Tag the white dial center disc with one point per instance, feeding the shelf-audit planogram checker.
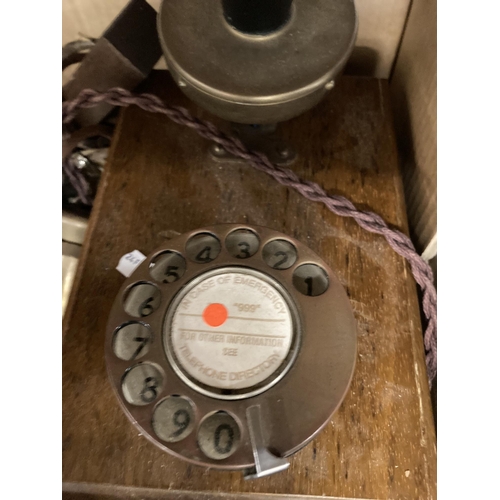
(232, 329)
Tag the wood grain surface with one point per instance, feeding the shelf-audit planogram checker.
(160, 177)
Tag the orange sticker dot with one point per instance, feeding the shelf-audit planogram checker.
(215, 315)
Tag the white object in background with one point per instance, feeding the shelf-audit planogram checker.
(69, 267)
(73, 228)
(431, 249)
(130, 262)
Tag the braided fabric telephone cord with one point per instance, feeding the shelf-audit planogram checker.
(339, 205)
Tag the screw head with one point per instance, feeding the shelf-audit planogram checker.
(218, 150)
(284, 152)
(330, 85)
(80, 161)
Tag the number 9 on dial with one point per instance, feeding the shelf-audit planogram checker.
(173, 419)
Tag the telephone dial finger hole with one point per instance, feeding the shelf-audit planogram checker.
(310, 279)
(242, 243)
(174, 419)
(203, 248)
(279, 254)
(142, 384)
(132, 341)
(168, 267)
(142, 300)
(218, 435)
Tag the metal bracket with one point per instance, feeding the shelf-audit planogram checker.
(265, 462)
(257, 138)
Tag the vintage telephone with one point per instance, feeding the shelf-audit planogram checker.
(232, 345)
(256, 61)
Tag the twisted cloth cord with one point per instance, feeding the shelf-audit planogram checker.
(77, 180)
(339, 205)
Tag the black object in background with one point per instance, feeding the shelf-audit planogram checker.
(257, 17)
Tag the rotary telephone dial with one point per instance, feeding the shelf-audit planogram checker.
(231, 346)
